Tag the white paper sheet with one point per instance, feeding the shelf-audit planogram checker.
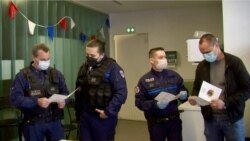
(165, 95)
(57, 98)
(60, 97)
(201, 101)
(209, 92)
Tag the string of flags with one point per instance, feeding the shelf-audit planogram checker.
(12, 10)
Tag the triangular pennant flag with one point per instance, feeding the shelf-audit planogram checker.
(83, 37)
(93, 37)
(32, 27)
(72, 23)
(102, 33)
(63, 23)
(107, 23)
(12, 10)
(50, 32)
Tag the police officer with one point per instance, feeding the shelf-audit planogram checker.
(156, 95)
(102, 92)
(30, 91)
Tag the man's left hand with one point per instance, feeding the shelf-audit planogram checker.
(183, 95)
(102, 114)
(61, 104)
(217, 104)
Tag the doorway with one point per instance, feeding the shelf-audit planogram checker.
(131, 53)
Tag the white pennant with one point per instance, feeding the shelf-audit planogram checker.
(72, 23)
(32, 27)
(102, 32)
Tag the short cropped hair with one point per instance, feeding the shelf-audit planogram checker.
(210, 38)
(97, 43)
(152, 51)
(38, 47)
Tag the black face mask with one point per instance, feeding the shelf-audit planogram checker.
(91, 61)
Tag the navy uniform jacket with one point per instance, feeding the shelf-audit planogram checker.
(18, 96)
(114, 75)
(150, 85)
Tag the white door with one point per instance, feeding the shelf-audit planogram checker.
(131, 53)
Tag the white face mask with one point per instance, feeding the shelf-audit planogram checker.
(162, 64)
(43, 65)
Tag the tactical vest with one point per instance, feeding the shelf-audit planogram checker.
(95, 86)
(40, 89)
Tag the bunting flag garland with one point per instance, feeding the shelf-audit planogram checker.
(32, 27)
(83, 37)
(107, 23)
(72, 23)
(102, 33)
(93, 37)
(12, 10)
(50, 32)
(63, 23)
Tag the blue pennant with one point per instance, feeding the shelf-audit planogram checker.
(83, 37)
(51, 32)
(107, 23)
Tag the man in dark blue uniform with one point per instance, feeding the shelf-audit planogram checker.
(156, 95)
(102, 92)
(30, 91)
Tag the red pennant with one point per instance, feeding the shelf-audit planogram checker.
(63, 24)
(12, 10)
(93, 37)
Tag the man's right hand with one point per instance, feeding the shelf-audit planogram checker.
(191, 100)
(43, 102)
(162, 104)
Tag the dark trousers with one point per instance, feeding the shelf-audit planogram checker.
(93, 128)
(38, 131)
(168, 129)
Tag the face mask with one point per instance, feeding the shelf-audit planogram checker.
(91, 61)
(162, 64)
(210, 57)
(43, 65)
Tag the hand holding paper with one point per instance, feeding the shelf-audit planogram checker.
(208, 92)
(59, 97)
(43, 102)
(165, 96)
(217, 104)
(162, 104)
(182, 95)
(197, 100)
(163, 99)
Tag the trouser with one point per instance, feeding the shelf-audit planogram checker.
(93, 128)
(38, 131)
(220, 128)
(170, 129)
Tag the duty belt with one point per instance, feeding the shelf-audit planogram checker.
(40, 118)
(168, 118)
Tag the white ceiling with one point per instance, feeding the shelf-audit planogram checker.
(118, 6)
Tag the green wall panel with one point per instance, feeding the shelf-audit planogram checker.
(67, 51)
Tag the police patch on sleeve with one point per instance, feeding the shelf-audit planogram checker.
(122, 74)
(137, 89)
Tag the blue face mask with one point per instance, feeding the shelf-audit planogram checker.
(210, 57)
